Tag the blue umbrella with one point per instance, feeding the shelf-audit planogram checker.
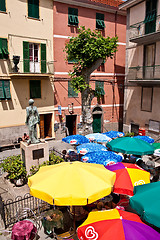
(98, 137)
(75, 139)
(90, 147)
(102, 157)
(145, 138)
(114, 134)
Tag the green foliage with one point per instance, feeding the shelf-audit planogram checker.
(53, 159)
(14, 167)
(129, 134)
(88, 47)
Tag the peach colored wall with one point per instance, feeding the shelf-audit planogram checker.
(137, 13)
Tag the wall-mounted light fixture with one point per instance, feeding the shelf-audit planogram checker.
(70, 108)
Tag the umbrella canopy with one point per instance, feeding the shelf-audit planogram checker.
(75, 139)
(127, 176)
(146, 201)
(102, 157)
(115, 224)
(98, 137)
(130, 145)
(156, 146)
(71, 183)
(114, 134)
(145, 138)
(90, 147)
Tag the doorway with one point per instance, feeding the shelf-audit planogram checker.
(97, 123)
(46, 125)
(71, 124)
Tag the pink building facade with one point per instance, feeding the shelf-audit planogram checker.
(108, 111)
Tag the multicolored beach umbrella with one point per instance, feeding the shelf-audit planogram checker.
(75, 139)
(115, 224)
(114, 134)
(102, 157)
(146, 201)
(127, 176)
(98, 137)
(145, 138)
(90, 147)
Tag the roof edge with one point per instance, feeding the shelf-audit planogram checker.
(128, 4)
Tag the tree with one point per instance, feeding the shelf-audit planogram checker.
(88, 50)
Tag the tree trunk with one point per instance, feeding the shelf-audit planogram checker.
(87, 96)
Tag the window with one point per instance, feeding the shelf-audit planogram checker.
(33, 9)
(71, 91)
(5, 90)
(150, 19)
(149, 61)
(3, 5)
(100, 21)
(32, 53)
(73, 16)
(146, 100)
(3, 48)
(35, 89)
(99, 87)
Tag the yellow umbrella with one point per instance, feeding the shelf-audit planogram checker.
(71, 183)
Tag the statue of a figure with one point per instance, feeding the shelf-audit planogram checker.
(32, 119)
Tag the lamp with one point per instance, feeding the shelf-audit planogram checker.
(16, 61)
(70, 108)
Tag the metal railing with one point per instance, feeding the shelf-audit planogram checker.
(9, 208)
(145, 27)
(33, 67)
(144, 72)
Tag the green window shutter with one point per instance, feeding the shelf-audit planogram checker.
(3, 48)
(73, 16)
(3, 5)
(43, 58)
(35, 89)
(33, 8)
(99, 86)
(71, 91)
(26, 57)
(100, 21)
(7, 89)
(2, 93)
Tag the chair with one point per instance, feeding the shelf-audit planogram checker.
(66, 235)
(28, 214)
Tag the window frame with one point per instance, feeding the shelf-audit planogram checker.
(31, 85)
(4, 54)
(73, 14)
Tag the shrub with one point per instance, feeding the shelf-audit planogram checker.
(129, 134)
(14, 166)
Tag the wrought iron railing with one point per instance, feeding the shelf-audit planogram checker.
(145, 27)
(26, 66)
(144, 73)
(9, 208)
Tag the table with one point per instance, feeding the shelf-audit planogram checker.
(52, 219)
(23, 230)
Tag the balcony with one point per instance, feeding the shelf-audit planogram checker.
(144, 74)
(146, 31)
(26, 67)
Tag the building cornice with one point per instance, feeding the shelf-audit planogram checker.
(93, 5)
(129, 4)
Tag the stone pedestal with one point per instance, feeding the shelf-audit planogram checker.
(34, 154)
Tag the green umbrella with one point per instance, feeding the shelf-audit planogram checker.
(156, 146)
(131, 145)
(146, 202)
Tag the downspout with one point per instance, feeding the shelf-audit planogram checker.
(113, 83)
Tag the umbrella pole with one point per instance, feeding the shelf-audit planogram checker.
(74, 220)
